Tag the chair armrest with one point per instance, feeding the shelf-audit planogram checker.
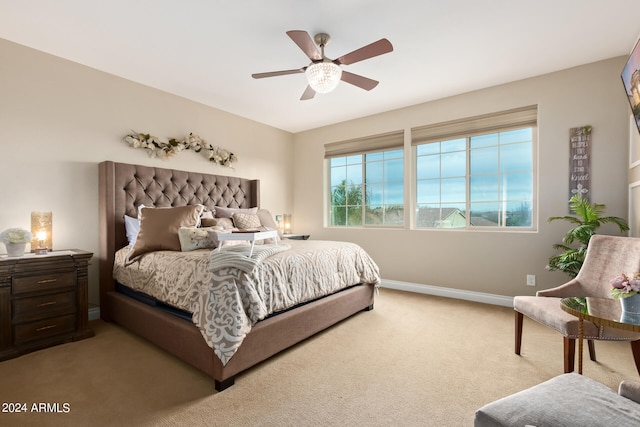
(630, 389)
(572, 288)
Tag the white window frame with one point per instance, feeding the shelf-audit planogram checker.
(362, 146)
(525, 117)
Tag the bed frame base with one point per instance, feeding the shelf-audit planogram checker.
(223, 385)
(267, 338)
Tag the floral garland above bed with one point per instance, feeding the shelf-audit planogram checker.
(165, 150)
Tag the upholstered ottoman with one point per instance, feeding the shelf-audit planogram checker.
(566, 400)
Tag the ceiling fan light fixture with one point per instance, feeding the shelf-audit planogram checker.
(324, 74)
(323, 77)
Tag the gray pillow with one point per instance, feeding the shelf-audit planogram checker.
(228, 212)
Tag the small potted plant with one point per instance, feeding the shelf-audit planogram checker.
(15, 240)
(623, 286)
(627, 290)
(588, 218)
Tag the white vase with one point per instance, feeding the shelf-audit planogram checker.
(15, 249)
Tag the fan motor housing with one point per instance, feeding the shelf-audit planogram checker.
(322, 39)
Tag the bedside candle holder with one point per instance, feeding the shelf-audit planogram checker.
(288, 228)
(41, 228)
(42, 238)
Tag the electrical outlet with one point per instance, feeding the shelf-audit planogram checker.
(531, 280)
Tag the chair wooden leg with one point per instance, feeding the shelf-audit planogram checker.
(592, 350)
(635, 348)
(569, 354)
(519, 317)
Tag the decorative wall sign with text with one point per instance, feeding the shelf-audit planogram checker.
(580, 162)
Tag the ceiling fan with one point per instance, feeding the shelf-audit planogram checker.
(324, 74)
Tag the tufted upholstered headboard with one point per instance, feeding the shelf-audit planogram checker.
(123, 187)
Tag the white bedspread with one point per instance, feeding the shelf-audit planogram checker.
(226, 301)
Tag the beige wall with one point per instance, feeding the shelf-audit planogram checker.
(58, 120)
(634, 177)
(488, 262)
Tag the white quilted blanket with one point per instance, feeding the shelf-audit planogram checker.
(226, 301)
(236, 256)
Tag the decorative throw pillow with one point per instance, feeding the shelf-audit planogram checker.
(225, 223)
(267, 221)
(192, 238)
(208, 222)
(159, 229)
(246, 221)
(228, 212)
(207, 213)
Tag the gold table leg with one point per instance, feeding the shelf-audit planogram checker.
(580, 338)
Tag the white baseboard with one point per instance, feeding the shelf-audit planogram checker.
(449, 292)
(94, 312)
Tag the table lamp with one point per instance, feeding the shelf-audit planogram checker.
(41, 228)
(287, 224)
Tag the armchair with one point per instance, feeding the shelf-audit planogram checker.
(607, 257)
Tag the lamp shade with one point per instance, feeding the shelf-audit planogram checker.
(323, 77)
(42, 226)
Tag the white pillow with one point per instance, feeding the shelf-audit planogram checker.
(132, 228)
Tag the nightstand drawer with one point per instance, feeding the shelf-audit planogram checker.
(44, 328)
(43, 306)
(44, 282)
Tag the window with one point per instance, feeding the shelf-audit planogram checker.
(366, 181)
(477, 172)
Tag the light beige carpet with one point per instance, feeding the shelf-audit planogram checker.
(415, 360)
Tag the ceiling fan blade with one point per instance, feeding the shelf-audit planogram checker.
(277, 73)
(380, 47)
(305, 42)
(358, 80)
(308, 94)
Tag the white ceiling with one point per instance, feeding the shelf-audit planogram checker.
(206, 50)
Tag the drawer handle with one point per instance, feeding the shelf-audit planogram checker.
(44, 304)
(40, 282)
(45, 328)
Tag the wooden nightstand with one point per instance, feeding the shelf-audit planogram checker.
(43, 301)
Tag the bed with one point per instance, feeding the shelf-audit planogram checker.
(123, 188)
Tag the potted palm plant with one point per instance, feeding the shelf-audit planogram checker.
(574, 244)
